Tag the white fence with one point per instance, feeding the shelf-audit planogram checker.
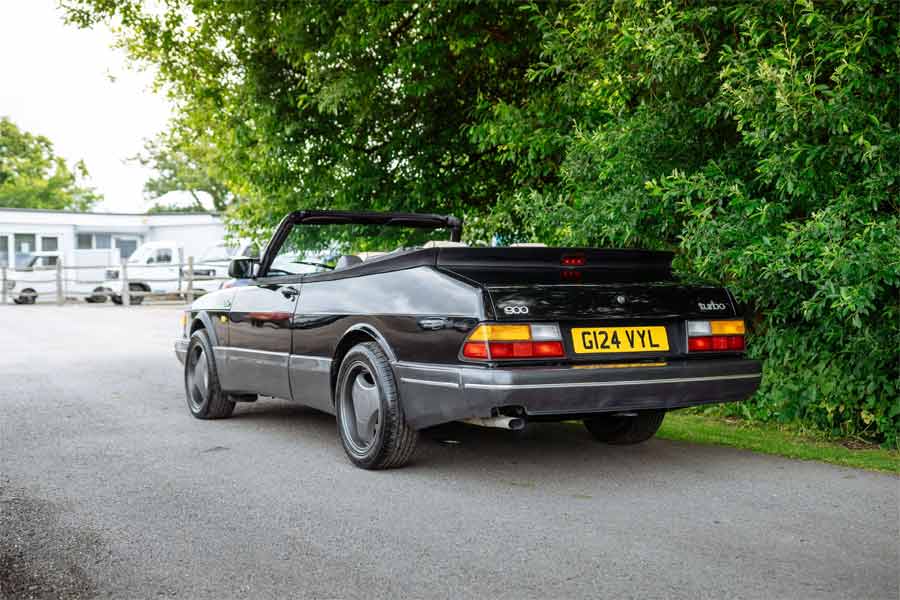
(61, 283)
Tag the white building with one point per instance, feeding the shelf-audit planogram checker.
(79, 235)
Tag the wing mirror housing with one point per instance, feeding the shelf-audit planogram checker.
(243, 267)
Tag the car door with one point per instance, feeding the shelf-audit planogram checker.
(259, 336)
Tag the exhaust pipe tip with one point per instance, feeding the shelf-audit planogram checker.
(511, 423)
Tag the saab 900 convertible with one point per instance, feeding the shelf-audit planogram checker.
(394, 342)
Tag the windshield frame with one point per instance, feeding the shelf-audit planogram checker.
(341, 217)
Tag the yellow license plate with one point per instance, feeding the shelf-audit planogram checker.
(594, 340)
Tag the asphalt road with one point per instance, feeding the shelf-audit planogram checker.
(109, 488)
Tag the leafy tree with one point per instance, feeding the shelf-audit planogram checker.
(184, 162)
(759, 141)
(32, 176)
(345, 104)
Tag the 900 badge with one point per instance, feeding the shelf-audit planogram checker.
(515, 310)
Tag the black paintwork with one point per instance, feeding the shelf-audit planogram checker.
(610, 301)
(420, 304)
(539, 265)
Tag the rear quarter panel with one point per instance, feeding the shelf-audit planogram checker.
(418, 315)
(418, 311)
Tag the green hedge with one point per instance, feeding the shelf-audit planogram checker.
(758, 140)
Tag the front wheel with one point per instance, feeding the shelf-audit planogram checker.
(99, 295)
(205, 397)
(624, 430)
(370, 419)
(134, 287)
(28, 296)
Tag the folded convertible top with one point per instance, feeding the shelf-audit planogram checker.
(522, 265)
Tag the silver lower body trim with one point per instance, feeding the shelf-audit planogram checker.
(599, 384)
(443, 384)
(434, 394)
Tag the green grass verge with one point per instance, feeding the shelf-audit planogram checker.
(771, 439)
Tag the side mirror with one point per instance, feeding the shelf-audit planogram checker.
(243, 267)
(151, 260)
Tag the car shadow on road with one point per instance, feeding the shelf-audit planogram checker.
(554, 449)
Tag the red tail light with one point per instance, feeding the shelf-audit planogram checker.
(475, 350)
(548, 349)
(735, 342)
(706, 343)
(700, 344)
(573, 261)
(505, 342)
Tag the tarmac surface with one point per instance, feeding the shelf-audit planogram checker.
(109, 488)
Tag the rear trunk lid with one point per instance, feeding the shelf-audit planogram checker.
(585, 289)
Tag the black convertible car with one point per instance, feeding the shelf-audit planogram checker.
(394, 342)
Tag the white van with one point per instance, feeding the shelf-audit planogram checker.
(36, 278)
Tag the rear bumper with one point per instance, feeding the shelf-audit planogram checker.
(434, 394)
(181, 346)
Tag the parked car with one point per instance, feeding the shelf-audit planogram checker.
(36, 278)
(442, 332)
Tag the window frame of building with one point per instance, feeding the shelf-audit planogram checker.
(53, 241)
(18, 242)
(4, 249)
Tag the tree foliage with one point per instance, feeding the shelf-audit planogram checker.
(346, 104)
(32, 176)
(182, 161)
(759, 140)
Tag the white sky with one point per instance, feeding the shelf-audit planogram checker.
(71, 86)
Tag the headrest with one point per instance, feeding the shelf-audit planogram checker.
(444, 244)
(347, 260)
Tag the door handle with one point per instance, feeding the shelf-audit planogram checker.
(289, 292)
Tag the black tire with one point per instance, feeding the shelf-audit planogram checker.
(205, 398)
(28, 296)
(135, 300)
(388, 441)
(620, 430)
(99, 296)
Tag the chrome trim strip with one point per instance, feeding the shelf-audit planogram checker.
(589, 384)
(310, 357)
(249, 351)
(443, 384)
(253, 351)
(425, 366)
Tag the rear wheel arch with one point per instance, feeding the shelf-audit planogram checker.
(370, 418)
(358, 334)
